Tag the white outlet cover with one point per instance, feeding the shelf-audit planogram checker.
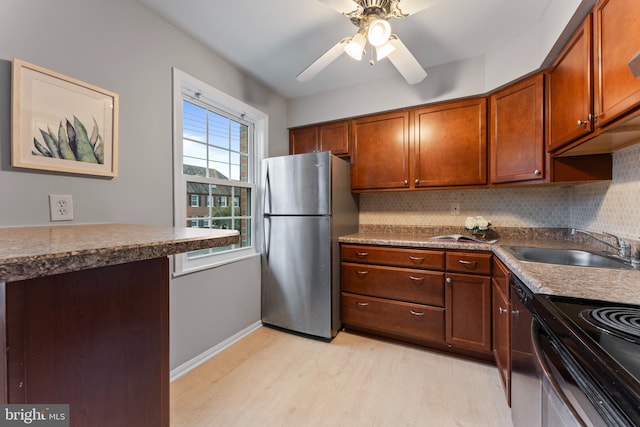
(60, 207)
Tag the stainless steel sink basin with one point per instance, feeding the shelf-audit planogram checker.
(565, 257)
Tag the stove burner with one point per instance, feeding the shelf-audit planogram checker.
(623, 322)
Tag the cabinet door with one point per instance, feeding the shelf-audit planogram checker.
(450, 144)
(468, 313)
(303, 140)
(617, 41)
(334, 137)
(570, 90)
(502, 337)
(380, 156)
(516, 129)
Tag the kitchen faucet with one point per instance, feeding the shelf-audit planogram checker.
(623, 249)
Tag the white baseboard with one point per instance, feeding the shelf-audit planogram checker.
(203, 357)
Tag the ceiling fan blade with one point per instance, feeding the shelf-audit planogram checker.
(410, 7)
(327, 58)
(405, 62)
(342, 6)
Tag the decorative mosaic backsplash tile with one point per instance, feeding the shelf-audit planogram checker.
(610, 206)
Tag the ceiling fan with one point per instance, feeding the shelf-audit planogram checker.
(372, 19)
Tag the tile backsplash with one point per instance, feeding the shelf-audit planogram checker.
(605, 206)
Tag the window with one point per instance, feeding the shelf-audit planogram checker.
(218, 143)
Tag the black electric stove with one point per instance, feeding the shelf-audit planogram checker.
(604, 338)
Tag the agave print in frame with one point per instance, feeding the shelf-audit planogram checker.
(62, 124)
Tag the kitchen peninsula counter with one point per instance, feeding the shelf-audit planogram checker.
(580, 282)
(84, 318)
(28, 252)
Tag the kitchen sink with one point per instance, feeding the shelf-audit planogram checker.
(566, 257)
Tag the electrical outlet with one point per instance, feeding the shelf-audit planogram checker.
(61, 208)
(455, 208)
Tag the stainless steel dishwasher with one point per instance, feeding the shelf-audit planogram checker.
(526, 385)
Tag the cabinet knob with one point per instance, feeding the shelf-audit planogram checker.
(537, 172)
(502, 310)
(406, 182)
(449, 280)
(416, 182)
(586, 122)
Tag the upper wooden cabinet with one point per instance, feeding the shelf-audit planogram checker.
(617, 40)
(437, 146)
(516, 129)
(570, 90)
(303, 140)
(332, 137)
(380, 151)
(450, 144)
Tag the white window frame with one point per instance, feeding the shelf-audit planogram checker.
(185, 87)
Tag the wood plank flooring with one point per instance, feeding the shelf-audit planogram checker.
(273, 378)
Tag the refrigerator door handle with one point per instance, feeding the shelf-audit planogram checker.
(267, 190)
(266, 237)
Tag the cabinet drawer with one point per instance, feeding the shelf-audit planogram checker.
(393, 317)
(413, 258)
(468, 262)
(501, 276)
(419, 286)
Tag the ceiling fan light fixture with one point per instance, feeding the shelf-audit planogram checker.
(384, 50)
(356, 46)
(378, 32)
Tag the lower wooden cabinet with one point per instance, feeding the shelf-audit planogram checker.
(436, 298)
(469, 312)
(402, 319)
(502, 324)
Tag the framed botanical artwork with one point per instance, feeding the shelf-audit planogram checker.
(62, 124)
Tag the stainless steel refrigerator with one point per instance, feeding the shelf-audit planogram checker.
(307, 205)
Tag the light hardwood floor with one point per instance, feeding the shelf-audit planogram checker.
(273, 378)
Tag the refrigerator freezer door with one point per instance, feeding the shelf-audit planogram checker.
(297, 185)
(296, 275)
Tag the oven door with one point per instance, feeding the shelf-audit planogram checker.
(567, 390)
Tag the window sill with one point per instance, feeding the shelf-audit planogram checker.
(178, 272)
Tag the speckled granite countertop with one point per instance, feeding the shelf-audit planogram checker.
(28, 252)
(582, 282)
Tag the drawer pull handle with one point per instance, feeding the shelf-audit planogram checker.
(362, 254)
(416, 279)
(416, 313)
(416, 259)
(502, 310)
(465, 262)
(362, 273)
(362, 305)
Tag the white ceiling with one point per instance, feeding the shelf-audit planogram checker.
(273, 40)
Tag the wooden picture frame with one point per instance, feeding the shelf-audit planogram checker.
(62, 124)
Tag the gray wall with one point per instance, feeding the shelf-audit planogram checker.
(121, 46)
